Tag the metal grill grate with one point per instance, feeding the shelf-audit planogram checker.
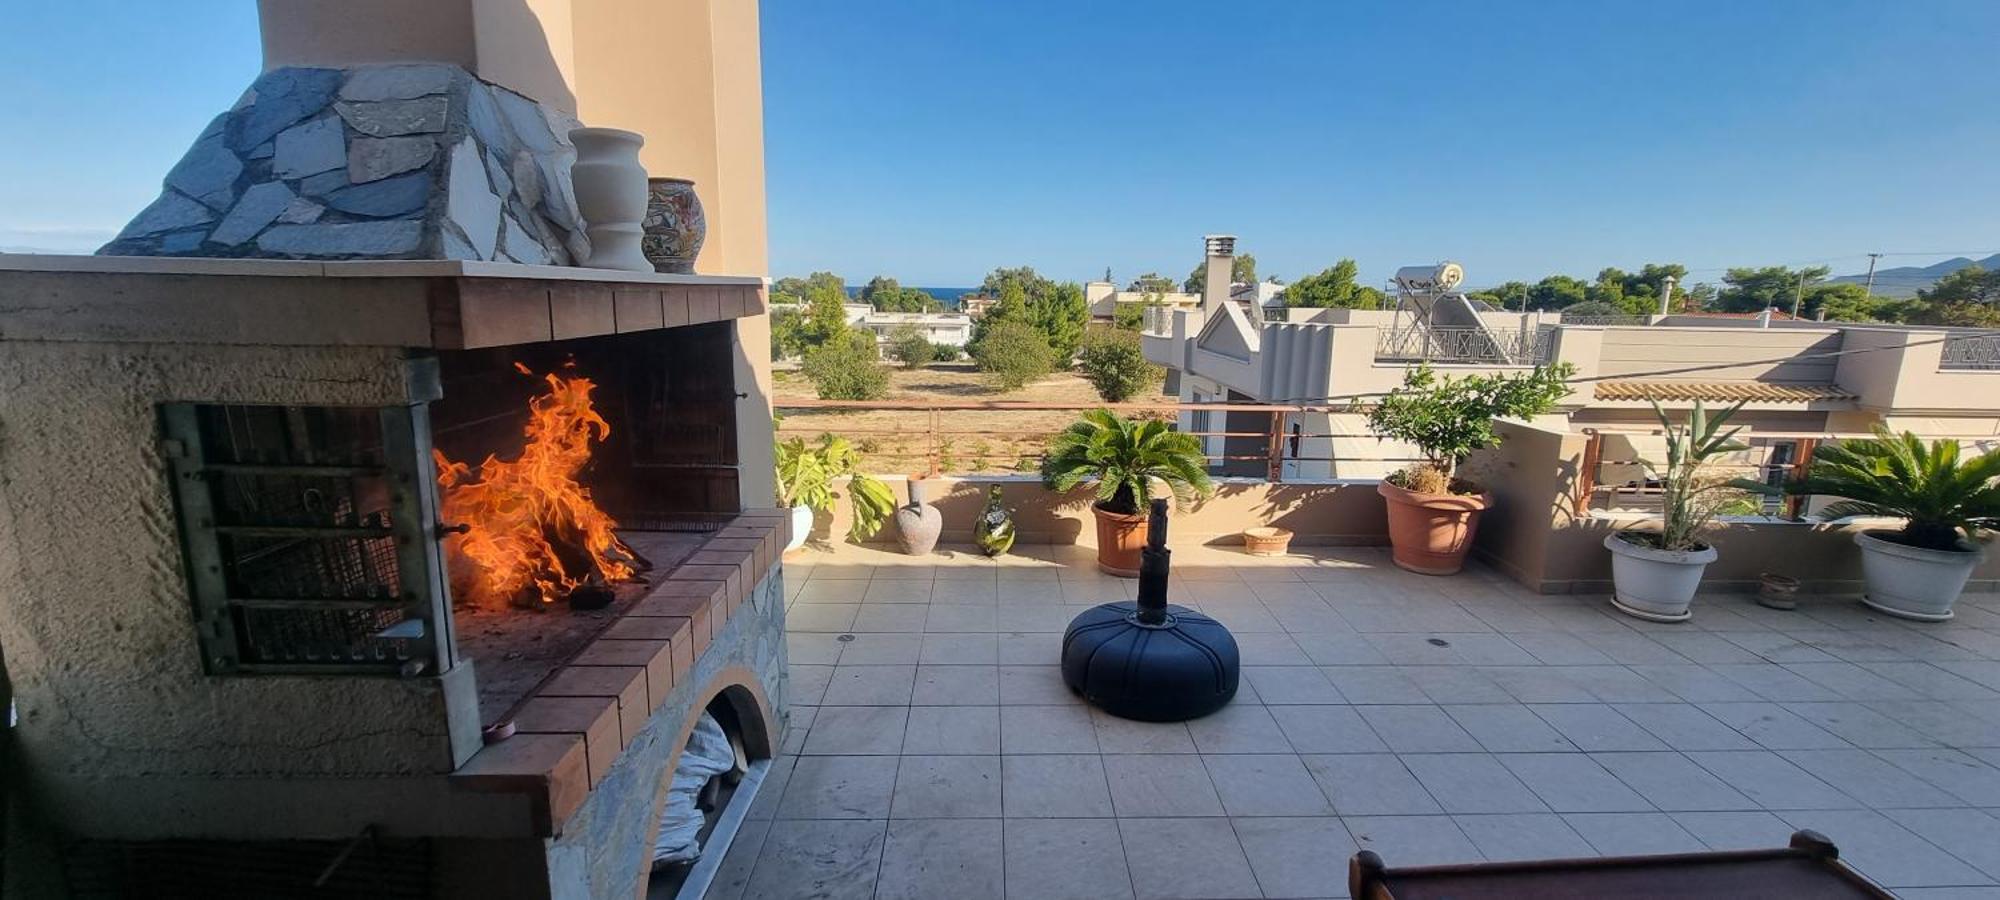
(307, 538)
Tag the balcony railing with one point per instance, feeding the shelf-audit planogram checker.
(1605, 321)
(1971, 351)
(1494, 346)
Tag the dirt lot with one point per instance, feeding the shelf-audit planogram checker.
(899, 440)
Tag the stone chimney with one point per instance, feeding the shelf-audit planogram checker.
(1221, 249)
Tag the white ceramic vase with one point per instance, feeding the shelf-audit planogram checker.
(1653, 584)
(802, 526)
(1913, 582)
(611, 195)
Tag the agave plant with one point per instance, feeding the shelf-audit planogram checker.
(1123, 457)
(1689, 498)
(1942, 498)
(806, 474)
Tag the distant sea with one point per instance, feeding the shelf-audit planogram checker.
(947, 296)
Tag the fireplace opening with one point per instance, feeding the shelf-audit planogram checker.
(711, 805)
(576, 470)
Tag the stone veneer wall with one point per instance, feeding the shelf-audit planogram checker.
(373, 162)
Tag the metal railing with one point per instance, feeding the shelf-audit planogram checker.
(1971, 352)
(1496, 346)
(1605, 321)
(949, 438)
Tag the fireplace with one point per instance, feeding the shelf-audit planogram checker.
(276, 662)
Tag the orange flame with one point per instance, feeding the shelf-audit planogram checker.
(520, 511)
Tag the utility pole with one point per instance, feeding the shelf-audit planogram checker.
(1872, 257)
(1799, 295)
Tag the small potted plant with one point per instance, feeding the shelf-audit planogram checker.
(806, 473)
(1433, 513)
(1945, 502)
(1654, 575)
(1123, 458)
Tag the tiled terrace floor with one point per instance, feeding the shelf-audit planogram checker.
(935, 753)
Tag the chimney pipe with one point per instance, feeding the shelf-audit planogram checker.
(1666, 294)
(1221, 249)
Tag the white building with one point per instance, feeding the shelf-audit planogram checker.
(954, 329)
(1105, 297)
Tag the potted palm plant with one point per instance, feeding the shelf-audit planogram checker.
(1123, 458)
(1945, 501)
(1433, 513)
(806, 475)
(1654, 574)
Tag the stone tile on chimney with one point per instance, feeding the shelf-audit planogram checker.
(283, 96)
(471, 202)
(258, 208)
(387, 197)
(389, 118)
(309, 149)
(207, 173)
(393, 238)
(374, 83)
(169, 213)
(301, 212)
(517, 243)
(373, 159)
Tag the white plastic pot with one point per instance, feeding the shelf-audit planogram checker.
(1652, 584)
(1913, 582)
(802, 525)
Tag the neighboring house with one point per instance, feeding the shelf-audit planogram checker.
(940, 327)
(1104, 298)
(1797, 379)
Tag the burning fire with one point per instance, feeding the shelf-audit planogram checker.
(535, 535)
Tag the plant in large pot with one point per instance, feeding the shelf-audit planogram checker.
(1123, 458)
(1944, 500)
(1434, 513)
(1654, 574)
(806, 475)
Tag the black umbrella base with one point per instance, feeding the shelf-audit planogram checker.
(1182, 669)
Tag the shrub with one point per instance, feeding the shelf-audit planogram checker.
(1012, 353)
(1129, 316)
(909, 346)
(1448, 418)
(1115, 365)
(806, 474)
(1689, 498)
(1123, 457)
(848, 368)
(946, 352)
(1594, 308)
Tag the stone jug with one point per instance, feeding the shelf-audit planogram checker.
(918, 524)
(675, 225)
(611, 195)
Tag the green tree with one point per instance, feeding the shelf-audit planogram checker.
(1754, 289)
(1969, 297)
(1242, 270)
(825, 302)
(1129, 316)
(946, 352)
(847, 368)
(1013, 353)
(1061, 315)
(1590, 308)
(1032, 285)
(1556, 292)
(910, 346)
(883, 293)
(1333, 288)
(1114, 364)
(1151, 283)
(1506, 295)
(788, 335)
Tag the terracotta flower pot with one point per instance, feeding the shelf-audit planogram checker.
(1430, 533)
(1266, 540)
(1120, 537)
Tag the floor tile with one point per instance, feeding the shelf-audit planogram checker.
(1055, 786)
(1509, 728)
(1633, 834)
(1265, 784)
(833, 860)
(1684, 727)
(1471, 783)
(929, 858)
(1374, 685)
(959, 650)
(832, 591)
(947, 787)
(890, 618)
(1523, 836)
(1238, 728)
(1969, 834)
(1860, 726)
(1672, 782)
(807, 648)
(1039, 685)
(1283, 685)
(839, 787)
(1695, 683)
(1058, 859)
(978, 619)
(1047, 729)
(882, 649)
(1412, 840)
(1339, 649)
(1772, 726)
(804, 617)
(1418, 729)
(956, 686)
(1573, 782)
(870, 686)
(1186, 859)
(1886, 851)
(1770, 780)
(857, 729)
(1370, 784)
(1160, 784)
(808, 684)
(1297, 857)
(1456, 685)
(1326, 729)
(1272, 649)
(1973, 782)
(1116, 735)
(914, 591)
(1736, 830)
(953, 730)
(1876, 782)
(1596, 727)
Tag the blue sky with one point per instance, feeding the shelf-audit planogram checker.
(934, 141)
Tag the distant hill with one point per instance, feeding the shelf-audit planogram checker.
(1905, 281)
